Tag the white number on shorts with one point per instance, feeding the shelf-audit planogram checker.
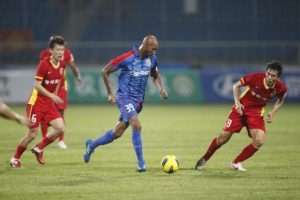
(228, 123)
(33, 118)
(129, 107)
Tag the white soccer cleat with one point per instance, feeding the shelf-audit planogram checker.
(237, 166)
(62, 145)
(15, 163)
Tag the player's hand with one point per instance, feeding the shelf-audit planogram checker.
(164, 93)
(269, 117)
(239, 108)
(112, 99)
(57, 99)
(22, 120)
(78, 81)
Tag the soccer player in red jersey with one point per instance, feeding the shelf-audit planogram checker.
(8, 113)
(63, 87)
(41, 104)
(248, 111)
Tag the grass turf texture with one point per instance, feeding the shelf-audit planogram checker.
(182, 130)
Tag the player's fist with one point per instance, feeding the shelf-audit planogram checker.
(239, 108)
(164, 93)
(57, 99)
(112, 99)
(269, 117)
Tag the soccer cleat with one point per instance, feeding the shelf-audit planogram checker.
(141, 167)
(15, 163)
(200, 164)
(38, 154)
(237, 166)
(61, 144)
(88, 151)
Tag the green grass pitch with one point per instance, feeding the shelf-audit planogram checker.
(182, 130)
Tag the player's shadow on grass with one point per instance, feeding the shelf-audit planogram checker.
(214, 173)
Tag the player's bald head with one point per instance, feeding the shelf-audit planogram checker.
(150, 40)
(148, 47)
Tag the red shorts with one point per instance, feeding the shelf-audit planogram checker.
(235, 122)
(35, 114)
(63, 94)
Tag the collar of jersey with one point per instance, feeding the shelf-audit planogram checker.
(53, 65)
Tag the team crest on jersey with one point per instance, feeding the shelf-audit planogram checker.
(148, 62)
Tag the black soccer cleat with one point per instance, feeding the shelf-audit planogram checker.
(200, 164)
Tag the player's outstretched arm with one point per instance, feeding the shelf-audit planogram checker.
(276, 107)
(106, 71)
(76, 72)
(7, 113)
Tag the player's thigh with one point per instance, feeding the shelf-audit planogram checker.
(58, 124)
(54, 118)
(127, 107)
(256, 122)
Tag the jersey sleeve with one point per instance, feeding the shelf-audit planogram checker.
(68, 56)
(155, 62)
(248, 79)
(283, 91)
(120, 61)
(41, 71)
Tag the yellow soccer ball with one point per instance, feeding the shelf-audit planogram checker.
(170, 164)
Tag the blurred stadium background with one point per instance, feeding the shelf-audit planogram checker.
(204, 45)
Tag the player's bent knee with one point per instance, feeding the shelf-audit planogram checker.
(258, 142)
(136, 125)
(59, 129)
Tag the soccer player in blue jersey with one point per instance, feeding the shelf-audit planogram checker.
(136, 66)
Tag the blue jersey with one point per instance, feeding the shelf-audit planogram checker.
(134, 73)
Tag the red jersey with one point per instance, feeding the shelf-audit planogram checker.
(258, 94)
(51, 76)
(68, 58)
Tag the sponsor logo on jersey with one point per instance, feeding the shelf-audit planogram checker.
(49, 82)
(139, 73)
(148, 62)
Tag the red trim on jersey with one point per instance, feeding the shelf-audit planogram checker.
(122, 57)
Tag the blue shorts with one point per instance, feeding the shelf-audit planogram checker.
(128, 108)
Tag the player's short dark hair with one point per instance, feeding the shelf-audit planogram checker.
(56, 40)
(275, 65)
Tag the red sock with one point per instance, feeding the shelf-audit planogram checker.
(61, 137)
(211, 149)
(246, 153)
(45, 142)
(44, 128)
(19, 151)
